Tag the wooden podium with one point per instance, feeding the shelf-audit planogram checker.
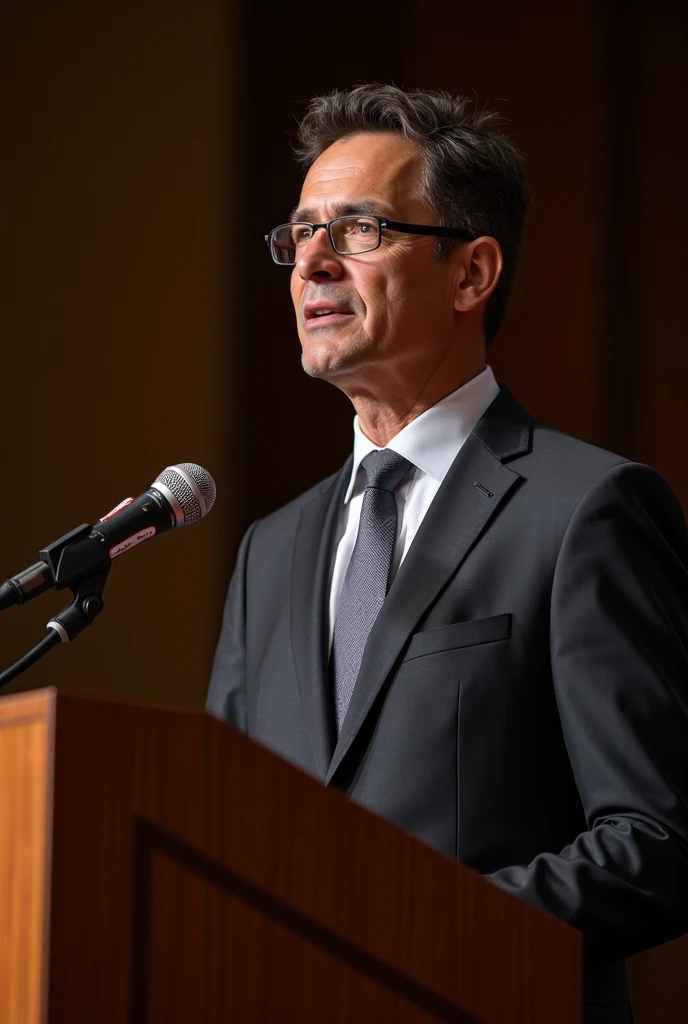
(158, 866)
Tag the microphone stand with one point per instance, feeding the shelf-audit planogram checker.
(67, 624)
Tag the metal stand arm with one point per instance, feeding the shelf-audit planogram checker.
(67, 624)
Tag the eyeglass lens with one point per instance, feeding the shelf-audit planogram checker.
(349, 235)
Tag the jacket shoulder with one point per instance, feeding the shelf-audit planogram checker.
(561, 469)
(580, 471)
(550, 443)
(513, 435)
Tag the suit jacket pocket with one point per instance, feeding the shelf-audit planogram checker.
(460, 634)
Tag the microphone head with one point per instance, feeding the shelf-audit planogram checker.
(191, 488)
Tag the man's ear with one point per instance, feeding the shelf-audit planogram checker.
(480, 264)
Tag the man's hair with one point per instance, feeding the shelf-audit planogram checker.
(473, 177)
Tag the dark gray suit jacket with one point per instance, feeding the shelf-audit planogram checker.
(522, 703)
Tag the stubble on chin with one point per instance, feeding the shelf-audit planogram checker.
(322, 361)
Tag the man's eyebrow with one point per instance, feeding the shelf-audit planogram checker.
(340, 210)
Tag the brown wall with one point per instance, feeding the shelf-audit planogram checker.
(115, 325)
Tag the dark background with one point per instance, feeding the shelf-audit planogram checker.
(146, 151)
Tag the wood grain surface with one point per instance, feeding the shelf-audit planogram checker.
(198, 877)
(25, 832)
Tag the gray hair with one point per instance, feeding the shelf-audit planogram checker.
(473, 177)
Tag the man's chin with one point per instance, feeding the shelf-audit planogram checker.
(324, 361)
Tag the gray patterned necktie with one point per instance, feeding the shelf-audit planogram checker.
(367, 577)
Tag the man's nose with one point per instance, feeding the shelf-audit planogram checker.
(318, 259)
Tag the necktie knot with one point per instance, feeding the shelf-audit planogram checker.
(385, 469)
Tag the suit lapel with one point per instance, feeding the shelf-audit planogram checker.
(467, 502)
(308, 611)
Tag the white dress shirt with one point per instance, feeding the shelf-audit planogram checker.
(431, 442)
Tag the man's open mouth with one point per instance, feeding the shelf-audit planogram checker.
(322, 315)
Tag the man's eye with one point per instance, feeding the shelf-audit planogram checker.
(300, 235)
(359, 227)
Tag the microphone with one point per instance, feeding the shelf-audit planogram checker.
(179, 496)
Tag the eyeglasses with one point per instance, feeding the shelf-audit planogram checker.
(348, 236)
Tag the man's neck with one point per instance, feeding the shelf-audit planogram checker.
(382, 418)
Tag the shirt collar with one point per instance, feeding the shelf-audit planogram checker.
(432, 441)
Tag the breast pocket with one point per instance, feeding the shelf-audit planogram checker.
(459, 634)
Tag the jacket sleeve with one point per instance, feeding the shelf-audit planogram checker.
(619, 651)
(227, 689)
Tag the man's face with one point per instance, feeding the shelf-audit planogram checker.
(394, 305)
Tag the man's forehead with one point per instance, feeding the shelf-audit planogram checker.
(375, 169)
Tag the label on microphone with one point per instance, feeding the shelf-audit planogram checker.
(116, 509)
(131, 542)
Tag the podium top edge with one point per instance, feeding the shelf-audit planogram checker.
(31, 701)
(22, 706)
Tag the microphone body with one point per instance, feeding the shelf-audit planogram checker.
(180, 495)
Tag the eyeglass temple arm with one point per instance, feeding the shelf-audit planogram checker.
(421, 229)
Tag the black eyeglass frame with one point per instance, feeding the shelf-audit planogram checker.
(383, 222)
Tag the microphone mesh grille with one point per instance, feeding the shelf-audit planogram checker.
(189, 503)
(203, 480)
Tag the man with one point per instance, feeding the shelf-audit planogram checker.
(478, 627)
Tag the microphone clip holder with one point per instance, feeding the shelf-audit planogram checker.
(67, 624)
(87, 603)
